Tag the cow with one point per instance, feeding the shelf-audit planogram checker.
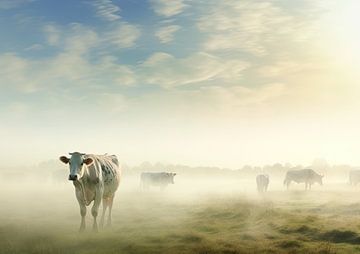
(96, 178)
(354, 177)
(307, 176)
(262, 182)
(160, 179)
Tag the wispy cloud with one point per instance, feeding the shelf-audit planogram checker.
(52, 34)
(10, 4)
(168, 8)
(107, 10)
(16, 73)
(166, 34)
(249, 26)
(71, 66)
(34, 47)
(167, 71)
(123, 36)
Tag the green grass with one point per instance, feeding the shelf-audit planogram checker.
(280, 222)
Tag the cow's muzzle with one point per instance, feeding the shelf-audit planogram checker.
(72, 177)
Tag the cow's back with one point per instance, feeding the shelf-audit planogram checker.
(154, 178)
(301, 175)
(110, 171)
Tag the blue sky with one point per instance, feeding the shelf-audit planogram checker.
(150, 79)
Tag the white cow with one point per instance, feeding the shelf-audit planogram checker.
(96, 178)
(262, 182)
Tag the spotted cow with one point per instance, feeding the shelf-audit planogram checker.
(96, 178)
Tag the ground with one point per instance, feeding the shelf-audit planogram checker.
(44, 218)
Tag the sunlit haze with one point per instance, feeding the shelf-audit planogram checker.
(221, 83)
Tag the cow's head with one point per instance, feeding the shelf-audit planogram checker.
(171, 177)
(76, 164)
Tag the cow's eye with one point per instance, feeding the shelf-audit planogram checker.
(82, 163)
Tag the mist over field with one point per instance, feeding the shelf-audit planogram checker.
(207, 210)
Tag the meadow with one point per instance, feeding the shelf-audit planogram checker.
(195, 215)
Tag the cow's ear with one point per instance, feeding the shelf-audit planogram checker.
(88, 161)
(174, 174)
(64, 159)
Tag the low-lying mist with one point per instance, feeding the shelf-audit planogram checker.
(214, 211)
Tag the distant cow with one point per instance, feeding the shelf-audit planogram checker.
(307, 176)
(96, 178)
(354, 177)
(159, 179)
(262, 182)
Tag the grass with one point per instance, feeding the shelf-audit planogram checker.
(156, 222)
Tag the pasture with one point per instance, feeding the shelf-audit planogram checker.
(196, 215)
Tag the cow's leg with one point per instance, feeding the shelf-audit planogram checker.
(83, 214)
(95, 208)
(111, 200)
(80, 199)
(105, 204)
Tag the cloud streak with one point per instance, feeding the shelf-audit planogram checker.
(167, 71)
(10, 4)
(168, 8)
(107, 10)
(249, 26)
(166, 34)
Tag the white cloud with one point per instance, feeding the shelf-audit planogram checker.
(168, 8)
(10, 4)
(249, 26)
(119, 74)
(107, 10)
(52, 34)
(67, 70)
(80, 39)
(72, 66)
(166, 34)
(287, 68)
(15, 73)
(34, 47)
(124, 35)
(167, 71)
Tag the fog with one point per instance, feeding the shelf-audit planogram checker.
(40, 214)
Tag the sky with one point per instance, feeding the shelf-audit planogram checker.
(196, 82)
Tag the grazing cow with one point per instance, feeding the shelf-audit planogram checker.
(307, 176)
(354, 177)
(96, 178)
(161, 179)
(262, 182)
